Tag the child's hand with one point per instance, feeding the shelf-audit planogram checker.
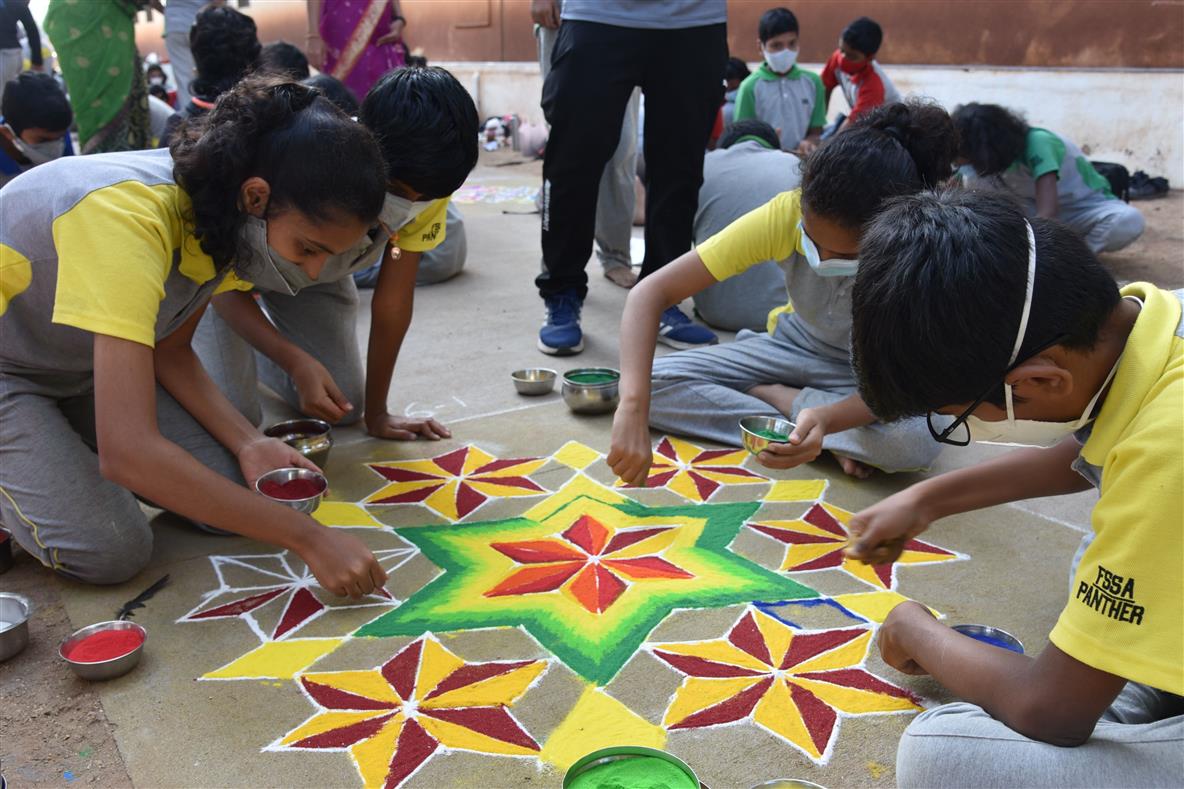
(318, 392)
(267, 454)
(400, 428)
(630, 455)
(805, 442)
(342, 563)
(902, 624)
(879, 533)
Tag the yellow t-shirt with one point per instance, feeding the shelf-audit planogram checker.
(769, 232)
(1125, 615)
(426, 231)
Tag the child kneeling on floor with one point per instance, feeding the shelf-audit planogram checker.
(801, 368)
(964, 308)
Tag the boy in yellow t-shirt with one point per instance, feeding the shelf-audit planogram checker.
(963, 308)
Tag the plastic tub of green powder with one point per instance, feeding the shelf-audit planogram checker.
(630, 766)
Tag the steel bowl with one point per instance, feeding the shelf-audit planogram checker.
(282, 475)
(621, 752)
(755, 443)
(312, 438)
(992, 635)
(585, 397)
(789, 783)
(14, 624)
(105, 669)
(534, 380)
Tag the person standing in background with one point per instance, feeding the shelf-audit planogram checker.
(615, 201)
(178, 18)
(12, 61)
(675, 50)
(96, 46)
(355, 41)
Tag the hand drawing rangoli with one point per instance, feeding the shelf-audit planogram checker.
(456, 483)
(393, 718)
(816, 542)
(595, 623)
(792, 683)
(696, 473)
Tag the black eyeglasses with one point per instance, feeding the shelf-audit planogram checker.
(946, 435)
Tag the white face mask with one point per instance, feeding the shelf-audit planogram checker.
(41, 152)
(265, 268)
(781, 62)
(731, 95)
(398, 211)
(1030, 432)
(831, 267)
(156, 81)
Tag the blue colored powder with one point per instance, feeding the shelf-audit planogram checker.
(995, 642)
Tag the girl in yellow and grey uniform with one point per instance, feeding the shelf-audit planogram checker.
(106, 264)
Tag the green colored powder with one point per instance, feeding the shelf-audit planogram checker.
(771, 435)
(592, 378)
(638, 772)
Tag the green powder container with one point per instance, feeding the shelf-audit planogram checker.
(630, 767)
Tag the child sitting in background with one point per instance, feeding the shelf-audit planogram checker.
(964, 308)
(1047, 172)
(788, 98)
(734, 73)
(35, 119)
(801, 369)
(853, 68)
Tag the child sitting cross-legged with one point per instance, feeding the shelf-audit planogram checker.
(965, 309)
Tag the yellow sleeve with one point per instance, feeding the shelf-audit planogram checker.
(1125, 613)
(231, 282)
(426, 231)
(769, 232)
(16, 274)
(115, 249)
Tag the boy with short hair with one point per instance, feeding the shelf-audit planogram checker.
(35, 118)
(780, 93)
(964, 308)
(853, 68)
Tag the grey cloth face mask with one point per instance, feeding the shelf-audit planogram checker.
(265, 268)
(398, 211)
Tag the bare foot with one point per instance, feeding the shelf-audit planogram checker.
(853, 467)
(621, 276)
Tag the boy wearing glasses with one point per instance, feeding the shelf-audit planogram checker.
(963, 308)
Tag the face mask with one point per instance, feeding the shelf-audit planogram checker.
(848, 67)
(156, 81)
(781, 62)
(831, 267)
(41, 152)
(1030, 432)
(730, 95)
(265, 268)
(398, 211)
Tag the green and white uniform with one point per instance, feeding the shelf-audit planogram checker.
(793, 102)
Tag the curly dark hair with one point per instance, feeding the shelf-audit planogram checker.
(990, 136)
(895, 149)
(225, 46)
(316, 160)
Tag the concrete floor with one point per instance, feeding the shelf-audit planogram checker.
(181, 719)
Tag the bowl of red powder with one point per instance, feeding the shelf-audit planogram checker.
(104, 651)
(297, 488)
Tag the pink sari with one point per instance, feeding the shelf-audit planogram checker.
(349, 29)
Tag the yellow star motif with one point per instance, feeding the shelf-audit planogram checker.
(696, 473)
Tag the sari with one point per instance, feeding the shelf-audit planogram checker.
(96, 48)
(349, 29)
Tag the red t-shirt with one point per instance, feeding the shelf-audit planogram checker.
(864, 89)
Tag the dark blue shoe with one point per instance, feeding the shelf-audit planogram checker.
(679, 331)
(561, 335)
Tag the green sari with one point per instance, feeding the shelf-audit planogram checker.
(96, 47)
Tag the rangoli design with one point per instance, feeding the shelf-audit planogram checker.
(393, 718)
(696, 473)
(818, 539)
(792, 683)
(456, 483)
(596, 621)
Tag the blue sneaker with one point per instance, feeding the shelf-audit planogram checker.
(561, 335)
(679, 331)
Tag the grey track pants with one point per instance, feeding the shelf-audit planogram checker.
(1106, 225)
(703, 393)
(53, 498)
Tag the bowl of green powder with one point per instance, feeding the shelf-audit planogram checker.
(591, 390)
(757, 432)
(630, 766)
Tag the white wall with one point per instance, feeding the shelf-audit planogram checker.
(1131, 116)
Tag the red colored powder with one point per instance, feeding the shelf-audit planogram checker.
(104, 645)
(291, 490)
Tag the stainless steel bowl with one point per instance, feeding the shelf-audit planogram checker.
(534, 380)
(105, 669)
(14, 624)
(749, 426)
(789, 783)
(282, 475)
(312, 438)
(991, 635)
(591, 397)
